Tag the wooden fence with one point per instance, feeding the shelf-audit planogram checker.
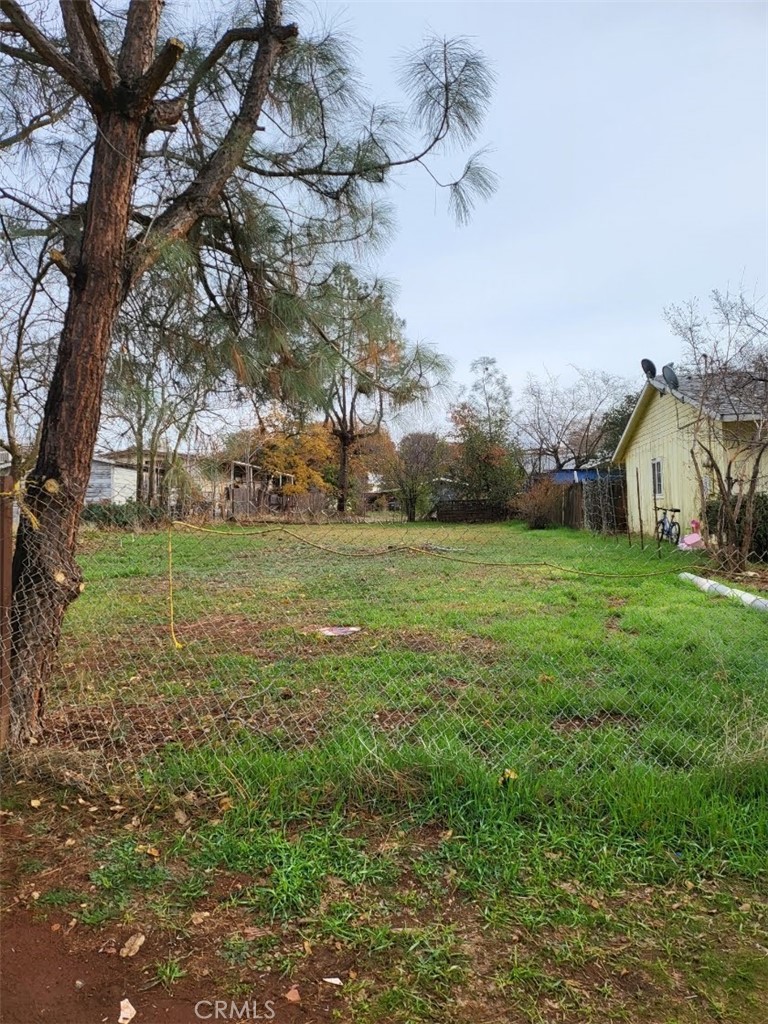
(572, 507)
(471, 512)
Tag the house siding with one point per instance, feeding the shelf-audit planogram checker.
(99, 483)
(662, 428)
(665, 432)
(109, 482)
(123, 484)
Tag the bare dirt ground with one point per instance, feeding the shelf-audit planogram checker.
(55, 969)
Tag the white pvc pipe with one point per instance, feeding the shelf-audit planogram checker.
(711, 587)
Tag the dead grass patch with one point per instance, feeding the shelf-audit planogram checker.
(599, 720)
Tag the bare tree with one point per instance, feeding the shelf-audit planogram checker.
(725, 381)
(563, 426)
(269, 159)
(27, 346)
(159, 380)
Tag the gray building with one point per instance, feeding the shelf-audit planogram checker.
(108, 481)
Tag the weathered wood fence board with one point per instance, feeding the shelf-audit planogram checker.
(471, 512)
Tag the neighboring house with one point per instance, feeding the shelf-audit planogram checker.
(659, 442)
(568, 476)
(196, 475)
(110, 482)
(127, 457)
(249, 491)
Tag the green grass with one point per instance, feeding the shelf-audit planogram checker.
(630, 702)
(628, 709)
(169, 971)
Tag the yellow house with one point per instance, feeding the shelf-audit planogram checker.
(677, 438)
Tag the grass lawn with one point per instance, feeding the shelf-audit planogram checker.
(521, 792)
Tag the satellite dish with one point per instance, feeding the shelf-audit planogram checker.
(649, 368)
(670, 376)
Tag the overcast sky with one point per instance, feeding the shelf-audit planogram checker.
(631, 143)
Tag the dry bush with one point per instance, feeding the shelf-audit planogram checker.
(540, 504)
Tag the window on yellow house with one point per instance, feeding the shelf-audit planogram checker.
(657, 478)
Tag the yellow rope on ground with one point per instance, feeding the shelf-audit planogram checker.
(377, 553)
(547, 565)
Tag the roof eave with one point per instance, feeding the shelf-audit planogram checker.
(637, 413)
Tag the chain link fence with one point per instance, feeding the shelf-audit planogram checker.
(373, 659)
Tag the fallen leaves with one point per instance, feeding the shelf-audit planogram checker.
(133, 944)
(151, 851)
(293, 995)
(127, 1012)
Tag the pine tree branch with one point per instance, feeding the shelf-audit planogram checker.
(97, 47)
(158, 72)
(45, 48)
(207, 186)
(28, 56)
(39, 121)
(138, 50)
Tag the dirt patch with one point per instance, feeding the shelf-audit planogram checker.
(83, 982)
(615, 624)
(85, 743)
(448, 690)
(395, 719)
(617, 602)
(479, 648)
(600, 720)
(142, 728)
(206, 638)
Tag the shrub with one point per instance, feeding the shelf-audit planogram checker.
(128, 515)
(759, 545)
(540, 505)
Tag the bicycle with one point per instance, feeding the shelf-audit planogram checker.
(668, 529)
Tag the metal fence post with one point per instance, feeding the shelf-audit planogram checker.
(6, 559)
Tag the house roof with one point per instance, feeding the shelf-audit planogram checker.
(729, 398)
(102, 460)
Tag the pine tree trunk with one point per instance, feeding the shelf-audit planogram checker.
(341, 505)
(46, 578)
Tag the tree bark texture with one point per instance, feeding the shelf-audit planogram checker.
(46, 578)
(344, 448)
